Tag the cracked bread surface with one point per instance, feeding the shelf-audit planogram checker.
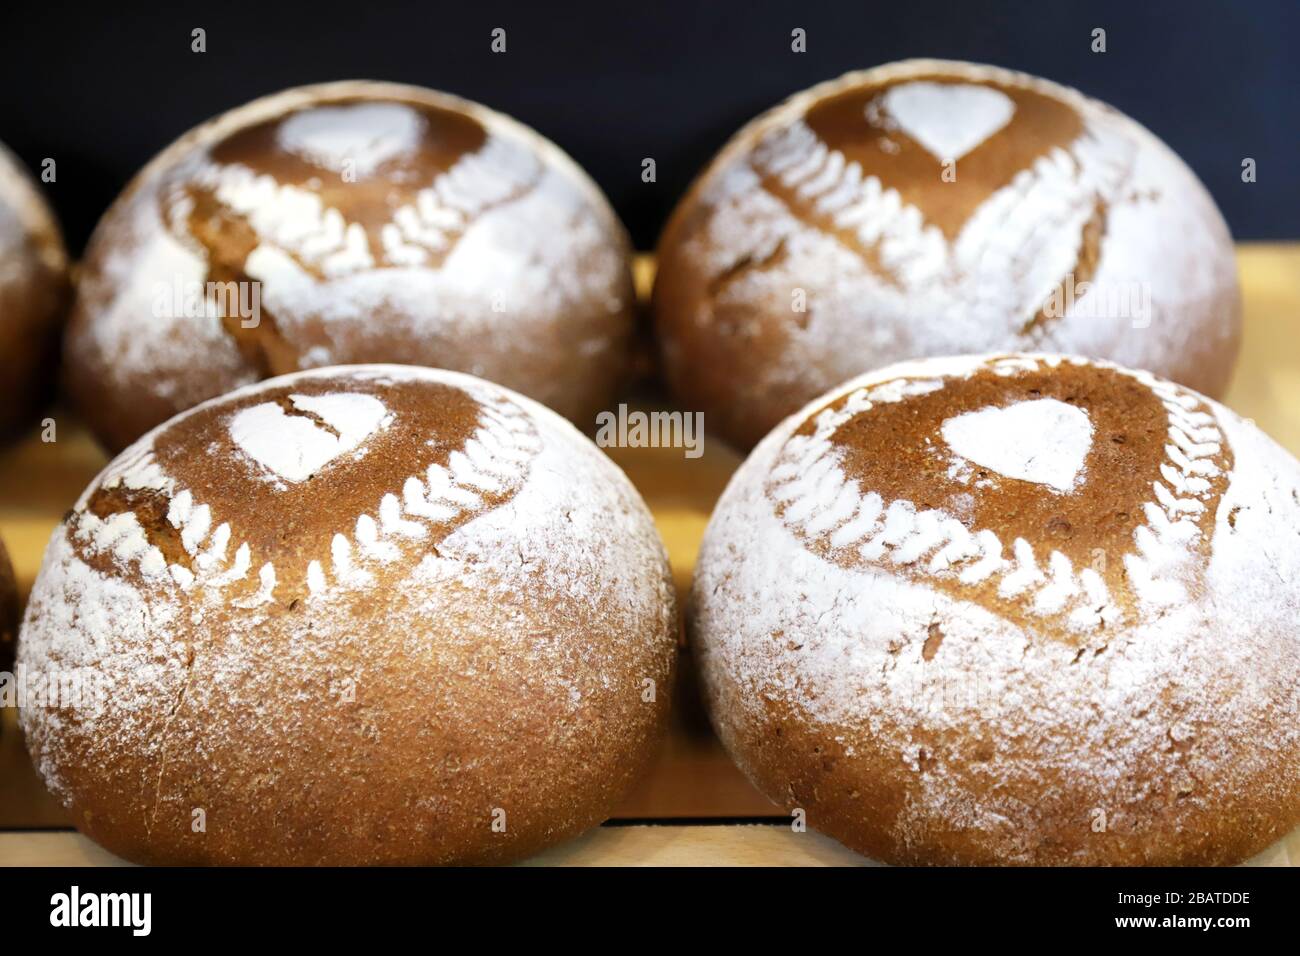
(1012, 609)
(933, 207)
(374, 614)
(377, 222)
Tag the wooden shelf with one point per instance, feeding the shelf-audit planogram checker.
(692, 778)
(654, 844)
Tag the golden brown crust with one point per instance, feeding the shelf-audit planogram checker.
(831, 236)
(358, 616)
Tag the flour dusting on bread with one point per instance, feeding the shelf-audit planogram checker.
(998, 644)
(435, 539)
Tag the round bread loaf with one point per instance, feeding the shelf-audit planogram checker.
(33, 295)
(8, 611)
(350, 222)
(936, 208)
(372, 614)
(1016, 609)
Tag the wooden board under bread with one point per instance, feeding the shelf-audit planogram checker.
(640, 844)
(668, 818)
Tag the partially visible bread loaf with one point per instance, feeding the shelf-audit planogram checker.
(33, 296)
(8, 611)
(936, 208)
(375, 614)
(1017, 609)
(375, 222)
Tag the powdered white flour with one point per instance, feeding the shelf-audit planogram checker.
(1044, 441)
(359, 137)
(948, 119)
(295, 447)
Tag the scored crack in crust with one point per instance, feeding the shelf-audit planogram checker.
(1159, 465)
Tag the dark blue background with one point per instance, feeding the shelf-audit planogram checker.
(101, 90)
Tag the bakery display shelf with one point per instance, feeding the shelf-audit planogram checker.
(661, 843)
(693, 807)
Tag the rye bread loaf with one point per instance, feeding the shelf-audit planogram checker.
(373, 222)
(936, 208)
(1015, 609)
(373, 614)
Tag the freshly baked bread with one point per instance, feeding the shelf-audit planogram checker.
(373, 614)
(936, 208)
(350, 222)
(8, 611)
(1019, 609)
(33, 296)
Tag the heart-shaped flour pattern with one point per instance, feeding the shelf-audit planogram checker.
(358, 138)
(485, 472)
(1040, 447)
(998, 266)
(1044, 441)
(301, 238)
(294, 443)
(947, 119)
